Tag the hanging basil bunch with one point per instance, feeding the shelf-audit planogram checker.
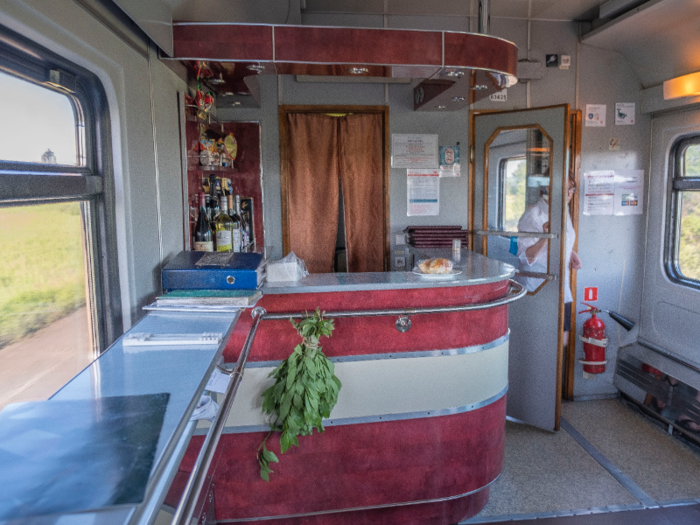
(305, 390)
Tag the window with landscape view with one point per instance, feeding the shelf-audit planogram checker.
(52, 210)
(684, 240)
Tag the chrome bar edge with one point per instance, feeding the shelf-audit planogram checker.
(399, 355)
(195, 482)
(383, 418)
(371, 507)
(511, 297)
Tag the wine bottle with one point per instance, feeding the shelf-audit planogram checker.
(245, 241)
(236, 231)
(247, 216)
(203, 241)
(213, 204)
(224, 225)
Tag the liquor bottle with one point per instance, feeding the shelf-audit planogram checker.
(245, 241)
(213, 209)
(247, 216)
(203, 241)
(236, 231)
(224, 225)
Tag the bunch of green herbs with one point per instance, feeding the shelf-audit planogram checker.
(305, 390)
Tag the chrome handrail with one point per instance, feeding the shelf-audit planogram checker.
(195, 483)
(521, 291)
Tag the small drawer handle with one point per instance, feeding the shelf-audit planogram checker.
(230, 279)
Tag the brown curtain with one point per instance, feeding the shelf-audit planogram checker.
(313, 189)
(362, 177)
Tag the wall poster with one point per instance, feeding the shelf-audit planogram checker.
(598, 192)
(414, 151)
(613, 192)
(449, 161)
(423, 192)
(595, 115)
(629, 192)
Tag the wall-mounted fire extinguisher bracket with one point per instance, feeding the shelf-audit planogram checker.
(594, 342)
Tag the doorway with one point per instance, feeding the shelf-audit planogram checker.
(335, 186)
(521, 158)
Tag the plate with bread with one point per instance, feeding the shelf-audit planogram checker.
(436, 268)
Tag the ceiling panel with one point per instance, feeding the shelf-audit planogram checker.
(540, 9)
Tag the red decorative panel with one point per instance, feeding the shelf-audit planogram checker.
(370, 335)
(479, 51)
(333, 45)
(225, 42)
(363, 465)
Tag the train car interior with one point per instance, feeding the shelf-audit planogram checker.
(572, 132)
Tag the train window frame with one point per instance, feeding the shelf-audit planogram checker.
(502, 166)
(90, 181)
(678, 183)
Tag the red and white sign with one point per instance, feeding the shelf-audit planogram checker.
(590, 294)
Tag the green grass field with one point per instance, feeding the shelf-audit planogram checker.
(42, 274)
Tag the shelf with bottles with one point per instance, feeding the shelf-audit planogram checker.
(217, 204)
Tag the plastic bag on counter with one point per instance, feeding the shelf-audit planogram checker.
(435, 266)
(289, 268)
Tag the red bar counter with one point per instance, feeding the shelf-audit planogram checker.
(417, 435)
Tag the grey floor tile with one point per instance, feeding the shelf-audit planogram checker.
(547, 472)
(660, 465)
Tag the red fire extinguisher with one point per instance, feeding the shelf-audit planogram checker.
(594, 342)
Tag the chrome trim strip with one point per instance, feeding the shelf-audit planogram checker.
(442, 34)
(398, 355)
(374, 419)
(342, 27)
(508, 298)
(273, 44)
(555, 514)
(661, 351)
(371, 507)
(267, 60)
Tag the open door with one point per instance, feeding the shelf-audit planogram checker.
(518, 201)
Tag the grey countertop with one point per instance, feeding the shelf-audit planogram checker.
(182, 371)
(474, 268)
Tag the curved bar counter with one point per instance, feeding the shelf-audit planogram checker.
(418, 432)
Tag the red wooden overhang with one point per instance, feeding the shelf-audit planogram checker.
(458, 68)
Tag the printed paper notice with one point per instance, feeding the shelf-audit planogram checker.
(624, 113)
(423, 192)
(599, 192)
(629, 192)
(414, 151)
(595, 115)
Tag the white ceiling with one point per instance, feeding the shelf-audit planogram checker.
(660, 38)
(266, 9)
(539, 9)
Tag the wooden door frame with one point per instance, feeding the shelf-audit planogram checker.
(284, 165)
(574, 147)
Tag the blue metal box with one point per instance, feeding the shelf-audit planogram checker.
(213, 271)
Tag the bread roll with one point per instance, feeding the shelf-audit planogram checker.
(436, 265)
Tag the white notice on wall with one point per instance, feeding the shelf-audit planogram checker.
(598, 192)
(414, 151)
(629, 192)
(423, 192)
(624, 113)
(595, 115)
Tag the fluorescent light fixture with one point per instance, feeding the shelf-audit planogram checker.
(685, 86)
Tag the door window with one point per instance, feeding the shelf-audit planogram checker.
(683, 250)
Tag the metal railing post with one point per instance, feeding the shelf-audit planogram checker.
(188, 501)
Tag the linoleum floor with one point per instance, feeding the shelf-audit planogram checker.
(552, 474)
